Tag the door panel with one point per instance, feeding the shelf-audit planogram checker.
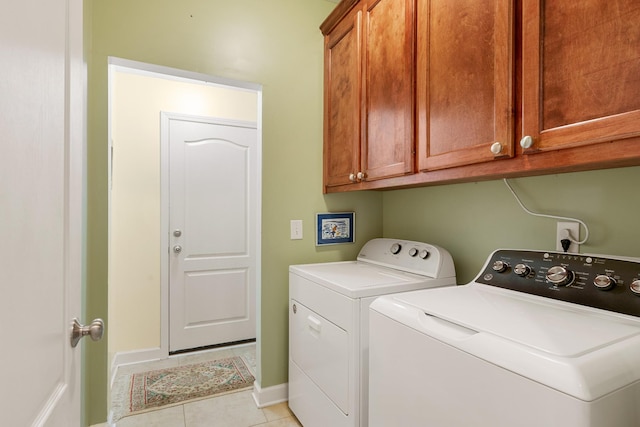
(389, 82)
(41, 110)
(342, 95)
(321, 350)
(581, 72)
(216, 174)
(464, 82)
(213, 203)
(226, 290)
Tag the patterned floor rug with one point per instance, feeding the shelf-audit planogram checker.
(165, 387)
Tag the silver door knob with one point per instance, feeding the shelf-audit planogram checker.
(95, 330)
(177, 249)
(177, 233)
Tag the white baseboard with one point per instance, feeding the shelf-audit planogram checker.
(136, 356)
(271, 395)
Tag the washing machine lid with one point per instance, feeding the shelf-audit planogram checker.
(357, 279)
(580, 351)
(554, 327)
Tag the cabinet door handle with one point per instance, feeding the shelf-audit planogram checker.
(360, 176)
(352, 177)
(526, 142)
(496, 148)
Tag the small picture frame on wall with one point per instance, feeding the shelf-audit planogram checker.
(335, 228)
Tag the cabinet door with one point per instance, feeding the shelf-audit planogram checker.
(388, 148)
(464, 82)
(581, 72)
(342, 101)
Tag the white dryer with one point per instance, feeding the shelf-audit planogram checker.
(537, 339)
(328, 324)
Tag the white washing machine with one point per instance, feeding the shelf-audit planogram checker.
(538, 339)
(328, 318)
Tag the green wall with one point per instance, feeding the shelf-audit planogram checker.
(470, 220)
(274, 43)
(277, 44)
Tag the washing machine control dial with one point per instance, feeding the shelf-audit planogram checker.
(396, 248)
(522, 270)
(424, 254)
(500, 266)
(635, 287)
(413, 252)
(560, 276)
(604, 282)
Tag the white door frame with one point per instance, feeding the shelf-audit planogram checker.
(203, 79)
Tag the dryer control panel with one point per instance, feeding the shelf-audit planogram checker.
(604, 282)
(409, 256)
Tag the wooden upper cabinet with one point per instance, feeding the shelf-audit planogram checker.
(464, 82)
(342, 101)
(388, 146)
(581, 72)
(369, 91)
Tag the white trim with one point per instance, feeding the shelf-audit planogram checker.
(258, 225)
(264, 397)
(136, 356)
(135, 67)
(164, 234)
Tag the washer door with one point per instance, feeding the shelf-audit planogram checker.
(320, 349)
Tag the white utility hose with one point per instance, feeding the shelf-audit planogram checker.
(586, 229)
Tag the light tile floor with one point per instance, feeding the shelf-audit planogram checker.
(230, 410)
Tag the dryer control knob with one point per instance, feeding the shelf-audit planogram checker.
(560, 276)
(522, 270)
(424, 254)
(604, 282)
(413, 252)
(500, 266)
(395, 248)
(635, 287)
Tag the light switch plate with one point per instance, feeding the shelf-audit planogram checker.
(296, 229)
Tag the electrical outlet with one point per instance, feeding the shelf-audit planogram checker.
(296, 229)
(574, 230)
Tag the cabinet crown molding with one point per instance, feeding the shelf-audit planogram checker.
(338, 13)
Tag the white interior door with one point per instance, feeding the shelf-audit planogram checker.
(213, 220)
(41, 128)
